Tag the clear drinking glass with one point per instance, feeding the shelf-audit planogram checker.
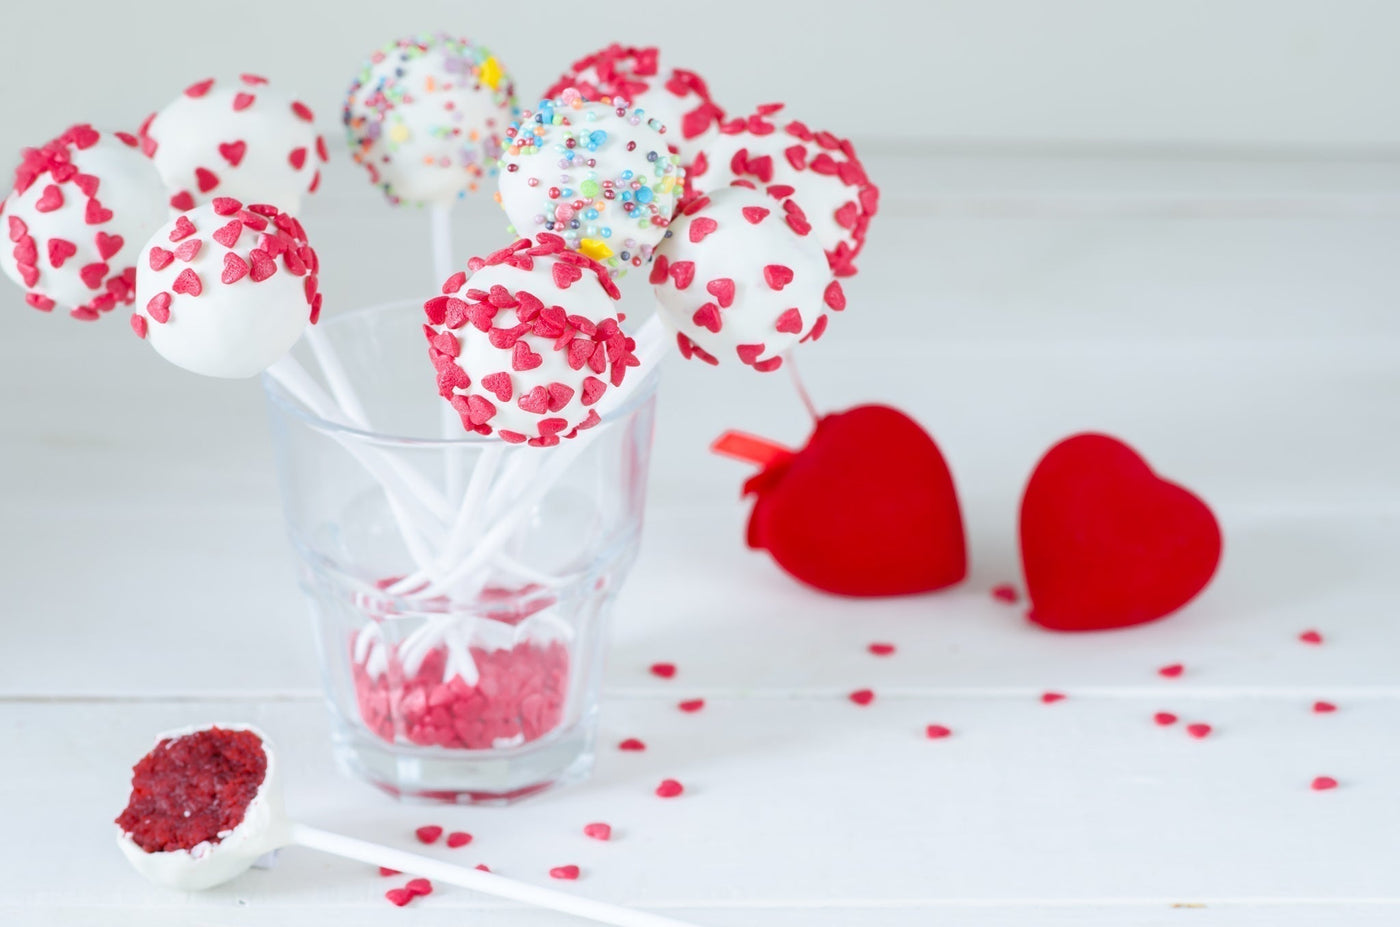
(460, 587)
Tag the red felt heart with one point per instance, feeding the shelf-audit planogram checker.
(867, 508)
(1106, 543)
(232, 152)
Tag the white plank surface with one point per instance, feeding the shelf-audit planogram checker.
(1234, 320)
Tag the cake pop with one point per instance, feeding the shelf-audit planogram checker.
(741, 275)
(597, 174)
(527, 343)
(237, 138)
(680, 100)
(206, 803)
(819, 171)
(224, 290)
(81, 206)
(426, 117)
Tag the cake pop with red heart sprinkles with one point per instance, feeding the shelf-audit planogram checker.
(80, 209)
(237, 138)
(680, 99)
(225, 290)
(426, 118)
(740, 277)
(818, 170)
(599, 175)
(527, 344)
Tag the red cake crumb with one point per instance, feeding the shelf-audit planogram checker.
(191, 789)
(881, 650)
(429, 833)
(1164, 718)
(458, 838)
(564, 872)
(937, 732)
(669, 788)
(519, 696)
(598, 831)
(1006, 593)
(631, 744)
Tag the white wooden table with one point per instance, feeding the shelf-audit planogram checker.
(1235, 320)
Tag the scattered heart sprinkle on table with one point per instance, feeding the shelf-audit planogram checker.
(1172, 671)
(937, 732)
(568, 873)
(692, 705)
(1323, 708)
(663, 670)
(399, 896)
(1006, 593)
(881, 650)
(458, 838)
(598, 831)
(1164, 718)
(669, 788)
(862, 696)
(1310, 637)
(1050, 698)
(1323, 783)
(1198, 730)
(429, 833)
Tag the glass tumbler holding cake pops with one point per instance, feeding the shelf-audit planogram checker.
(461, 621)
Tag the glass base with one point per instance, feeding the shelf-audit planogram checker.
(432, 775)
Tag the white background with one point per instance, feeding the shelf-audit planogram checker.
(1177, 222)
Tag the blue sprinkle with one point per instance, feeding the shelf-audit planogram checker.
(606, 232)
(644, 195)
(626, 175)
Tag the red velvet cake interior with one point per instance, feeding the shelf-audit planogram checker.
(190, 789)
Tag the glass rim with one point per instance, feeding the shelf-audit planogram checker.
(278, 396)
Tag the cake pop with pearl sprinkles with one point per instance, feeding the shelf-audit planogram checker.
(599, 175)
(81, 207)
(238, 138)
(680, 99)
(741, 278)
(225, 290)
(818, 170)
(528, 342)
(426, 118)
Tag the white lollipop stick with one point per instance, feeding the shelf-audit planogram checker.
(265, 828)
(440, 224)
(336, 378)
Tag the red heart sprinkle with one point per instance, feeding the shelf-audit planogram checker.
(937, 732)
(138, 324)
(188, 248)
(51, 200)
(568, 873)
(682, 272)
(242, 101)
(225, 205)
(565, 274)
(184, 228)
(790, 322)
(227, 235)
(499, 384)
(755, 214)
(701, 227)
(1198, 730)
(399, 896)
(692, 705)
(233, 153)
(303, 112)
(796, 156)
(158, 307)
(1006, 593)
(593, 388)
(183, 201)
(862, 696)
(777, 276)
(1323, 783)
(1171, 672)
(707, 317)
(386, 871)
(93, 274)
(419, 886)
(160, 258)
(722, 289)
(632, 744)
(26, 253)
(848, 215)
(598, 831)
(29, 274)
(881, 650)
(297, 158)
(663, 670)
(535, 401)
(458, 838)
(479, 410)
(1164, 718)
(428, 833)
(108, 245)
(87, 183)
(835, 297)
(669, 788)
(521, 357)
(96, 213)
(60, 250)
(18, 229)
(235, 268)
(1050, 698)
(205, 179)
(748, 353)
(188, 282)
(1323, 708)
(199, 89)
(321, 149)
(263, 265)
(42, 303)
(252, 80)
(1310, 637)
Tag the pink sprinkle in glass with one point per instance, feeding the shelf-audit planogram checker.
(460, 587)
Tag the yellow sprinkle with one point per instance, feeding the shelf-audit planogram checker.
(491, 72)
(399, 132)
(595, 248)
(668, 184)
(428, 84)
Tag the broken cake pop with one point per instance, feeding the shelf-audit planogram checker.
(81, 207)
(426, 117)
(597, 174)
(236, 138)
(224, 290)
(740, 275)
(204, 806)
(819, 171)
(679, 99)
(526, 344)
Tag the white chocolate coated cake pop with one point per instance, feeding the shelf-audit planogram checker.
(599, 175)
(82, 206)
(819, 171)
(427, 116)
(225, 290)
(529, 342)
(680, 99)
(205, 804)
(740, 276)
(238, 138)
